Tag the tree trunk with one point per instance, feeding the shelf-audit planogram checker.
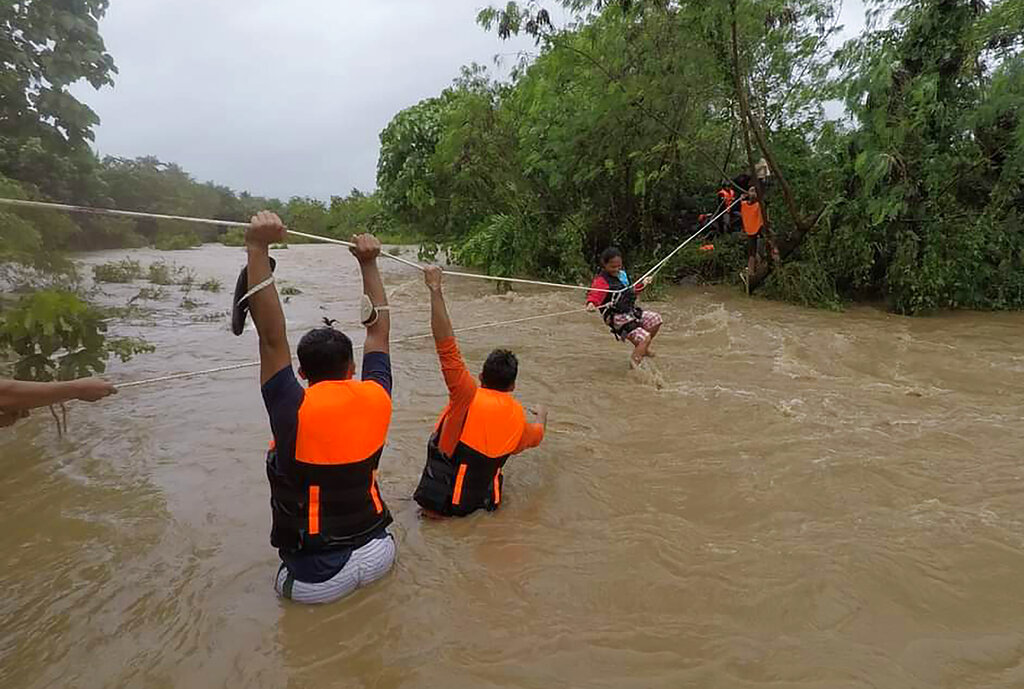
(750, 125)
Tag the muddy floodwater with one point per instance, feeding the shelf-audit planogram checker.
(812, 500)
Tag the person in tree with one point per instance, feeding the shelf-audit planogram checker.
(480, 429)
(329, 519)
(753, 228)
(627, 321)
(18, 397)
(726, 199)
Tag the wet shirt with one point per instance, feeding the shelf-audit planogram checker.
(461, 392)
(283, 395)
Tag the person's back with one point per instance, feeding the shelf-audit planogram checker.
(329, 521)
(479, 430)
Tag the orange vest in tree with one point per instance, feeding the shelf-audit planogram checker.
(753, 221)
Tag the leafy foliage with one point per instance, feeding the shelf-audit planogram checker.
(123, 271)
(55, 335)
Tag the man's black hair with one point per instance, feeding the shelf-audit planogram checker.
(325, 354)
(500, 371)
(610, 253)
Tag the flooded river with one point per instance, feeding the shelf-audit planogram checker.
(813, 500)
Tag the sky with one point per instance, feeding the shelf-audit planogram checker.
(284, 98)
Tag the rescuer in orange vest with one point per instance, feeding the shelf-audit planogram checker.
(329, 519)
(753, 228)
(482, 426)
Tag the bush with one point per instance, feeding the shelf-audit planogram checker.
(177, 241)
(212, 285)
(721, 264)
(120, 272)
(163, 273)
(235, 236)
(148, 294)
(56, 335)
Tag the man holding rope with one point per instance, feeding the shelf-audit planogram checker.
(480, 429)
(17, 397)
(329, 520)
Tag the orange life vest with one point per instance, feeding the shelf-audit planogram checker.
(472, 477)
(753, 221)
(727, 195)
(327, 497)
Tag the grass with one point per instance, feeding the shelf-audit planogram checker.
(190, 305)
(233, 237)
(210, 317)
(290, 291)
(121, 272)
(177, 241)
(163, 273)
(212, 285)
(149, 294)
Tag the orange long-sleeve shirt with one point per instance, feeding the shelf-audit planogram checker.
(461, 392)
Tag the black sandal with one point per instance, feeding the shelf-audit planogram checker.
(240, 305)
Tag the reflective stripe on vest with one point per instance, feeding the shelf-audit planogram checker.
(471, 478)
(328, 496)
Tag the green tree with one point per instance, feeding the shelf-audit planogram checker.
(44, 130)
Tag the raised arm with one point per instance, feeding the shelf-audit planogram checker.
(440, 323)
(461, 386)
(275, 354)
(378, 333)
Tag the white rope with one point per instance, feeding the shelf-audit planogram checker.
(329, 240)
(263, 285)
(252, 364)
(661, 264)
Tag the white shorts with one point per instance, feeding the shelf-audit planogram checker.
(366, 565)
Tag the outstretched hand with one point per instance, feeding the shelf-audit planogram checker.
(366, 249)
(93, 389)
(591, 306)
(265, 229)
(433, 276)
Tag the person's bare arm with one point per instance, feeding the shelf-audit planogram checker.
(440, 322)
(366, 251)
(19, 395)
(275, 354)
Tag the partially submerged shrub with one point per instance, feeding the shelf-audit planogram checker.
(123, 271)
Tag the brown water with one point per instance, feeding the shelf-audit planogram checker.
(813, 500)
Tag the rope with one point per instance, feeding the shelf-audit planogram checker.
(331, 240)
(252, 364)
(661, 264)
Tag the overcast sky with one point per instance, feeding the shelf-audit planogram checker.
(283, 98)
